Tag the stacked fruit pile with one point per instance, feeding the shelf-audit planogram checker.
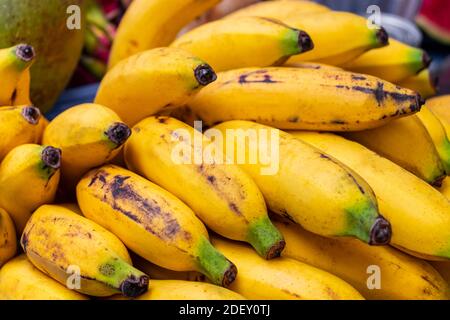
(305, 215)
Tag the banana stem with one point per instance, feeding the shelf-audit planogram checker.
(266, 239)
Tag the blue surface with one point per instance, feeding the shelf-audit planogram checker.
(73, 97)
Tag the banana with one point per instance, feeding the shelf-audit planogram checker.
(280, 10)
(149, 24)
(151, 222)
(186, 290)
(440, 106)
(407, 143)
(350, 260)
(419, 214)
(58, 241)
(222, 195)
(437, 131)
(282, 278)
(147, 82)
(8, 241)
(304, 184)
(29, 177)
(423, 83)
(244, 42)
(19, 125)
(20, 280)
(295, 98)
(13, 62)
(89, 135)
(393, 63)
(22, 94)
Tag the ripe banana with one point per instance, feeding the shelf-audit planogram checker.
(423, 83)
(393, 63)
(8, 241)
(222, 195)
(244, 42)
(22, 94)
(295, 98)
(19, 125)
(186, 290)
(150, 24)
(20, 280)
(282, 278)
(406, 142)
(89, 135)
(58, 241)
(151, 222)
(29, 177)
(306, 185)
(13, 62)
(280, 10)
(419, 214)
(352, 260)
(437, 131)
(147, 82)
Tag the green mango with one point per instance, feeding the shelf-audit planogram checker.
(44, 25)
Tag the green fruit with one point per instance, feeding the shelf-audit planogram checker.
(43, 24)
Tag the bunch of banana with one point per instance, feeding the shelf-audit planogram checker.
(29, 177)
(61, 243)
(20, 280)
(222, 195)
(145, 83)
(244, 42)
(282, 278)
(14, 64)
(296, 98)
(306, 185)
(394, 63)
(19, 125)
(186, 290)
(151, 222)
(149, 24)
(419, 214)
(8, 243)
(423, 83)
(353, 261)
(280, 10)
(406, 142)
(89, 135)
(438, 134)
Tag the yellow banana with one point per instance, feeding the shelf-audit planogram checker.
(61, 243)
(437, 131)
(147, 82)
(423, 83)
(14, 62)
(222, 195)
(19, 125)
(22, 94)
(282, 278)
(150, 24)
(352, 260)
(89, 135)
(440, 106)
(244, 42)
(393, 63)
(151, 222)
(280, 10)
(186, 290)
(8, 240)
(20, 280)
(29, 177)
(295, 98)
(406, 142)
(306, 185)
(419, 214)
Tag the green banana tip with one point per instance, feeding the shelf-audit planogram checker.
(134, 286)
(229, 275)
(381, 232)
(275, 250)
(25, 52)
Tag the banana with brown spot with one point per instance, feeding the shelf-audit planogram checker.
(308, 99)
(61, 243)
(152, 222)
(29, 177)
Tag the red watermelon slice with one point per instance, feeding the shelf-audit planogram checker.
(434, 18)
